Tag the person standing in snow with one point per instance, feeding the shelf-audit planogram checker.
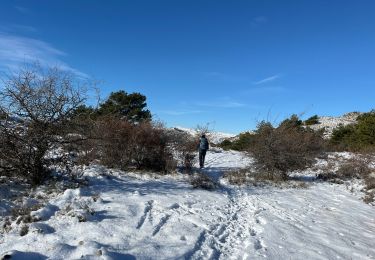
(203, 146)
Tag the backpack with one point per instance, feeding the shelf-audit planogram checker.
(203, 143)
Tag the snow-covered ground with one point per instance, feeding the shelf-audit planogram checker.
(128, 216)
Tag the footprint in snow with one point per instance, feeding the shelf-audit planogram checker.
(258, 244)
(261, 221)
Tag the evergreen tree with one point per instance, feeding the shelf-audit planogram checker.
(131, 107)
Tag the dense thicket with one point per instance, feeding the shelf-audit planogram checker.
(312, 120)
(287, 147)
(120, 144)
(356, 137)
(242, 143)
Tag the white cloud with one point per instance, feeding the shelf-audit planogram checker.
(221, 104)
(268, 79)
(16, 51)
(179, 112)
(22, 9)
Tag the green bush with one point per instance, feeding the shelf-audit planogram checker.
(242, 143)
(312, 120)
(356, 137)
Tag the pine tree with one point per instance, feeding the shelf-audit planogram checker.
(131, 107)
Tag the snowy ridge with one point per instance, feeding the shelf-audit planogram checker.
(214, 137)
(330, 123)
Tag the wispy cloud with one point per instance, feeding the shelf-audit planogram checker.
(17, 28)
(22, 9)
(179, 112)
(16, 51)
(258, 20)
(221, 104)
(268, 79)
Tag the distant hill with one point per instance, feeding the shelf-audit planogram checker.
(329, 123)
(214, 137)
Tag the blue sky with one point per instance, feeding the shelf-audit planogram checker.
(226, 63)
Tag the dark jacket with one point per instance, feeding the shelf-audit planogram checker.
(203, 144)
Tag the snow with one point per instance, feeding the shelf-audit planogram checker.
(130, 216)
(330, 123)
(214, 137)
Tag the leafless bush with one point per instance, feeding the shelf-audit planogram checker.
(286, 148)
(24, 230)
(150, 148)
(6, 226)
(238, 177)
(262, 175)
(38, 104)
(185, 147)
(354, 168)
(350, 169)
(120, 144)
(203, 130)
(22, 214)
(370, 181)
(112, 142)
(202, 181)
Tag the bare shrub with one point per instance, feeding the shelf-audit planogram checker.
(38, 104)
(203, 130)
(6, 226)
(262, 175)
(369, 197)
(286, 148)
(22, 214)
(185, 147)
(238, 177)
(370, 181)
(112, 142)
(120, 144)
(202, 181)
(354, 168)
(150, 148)
(24, 230)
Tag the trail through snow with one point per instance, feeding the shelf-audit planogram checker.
(139, 217)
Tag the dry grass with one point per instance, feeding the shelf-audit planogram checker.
(22, 214)
(238, 177)
(358, 167)
(202, 181)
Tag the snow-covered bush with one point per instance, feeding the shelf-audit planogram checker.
(288, 147)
